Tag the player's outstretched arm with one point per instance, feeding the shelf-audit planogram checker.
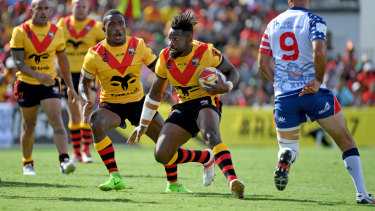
(150, 107)
(84, 92)
(64, 67)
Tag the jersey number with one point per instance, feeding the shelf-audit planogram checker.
(293, 47)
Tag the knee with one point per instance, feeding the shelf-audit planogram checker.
(211, 136)
(162, 156)
(29, 126)
(97, 122)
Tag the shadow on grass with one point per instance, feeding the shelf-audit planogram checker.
(32, 184)
(71, 199)
(267, 198)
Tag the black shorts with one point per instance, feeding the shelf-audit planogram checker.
(129, 111)
(29, 95)
(185, 114)
(75, 80)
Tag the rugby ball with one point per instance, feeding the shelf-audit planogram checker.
(209, 75)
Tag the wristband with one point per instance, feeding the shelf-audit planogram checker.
(148, 112)
(230, 85)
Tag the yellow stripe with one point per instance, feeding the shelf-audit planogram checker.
(74, 126)
(27, 160)
(85, 126)
(102, 144)
(174, 158)
(219, 148)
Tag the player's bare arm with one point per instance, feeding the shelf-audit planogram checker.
(224, 86)
(84, 92)
(167, 93)
(266, 66)
(18, 57)
(64, 67)
(320, 62)
(156, 94)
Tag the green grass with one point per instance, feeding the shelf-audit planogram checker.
(318, 181)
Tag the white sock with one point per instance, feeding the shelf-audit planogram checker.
(354, 167)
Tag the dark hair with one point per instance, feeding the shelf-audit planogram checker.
(110, 12)
(184, 21)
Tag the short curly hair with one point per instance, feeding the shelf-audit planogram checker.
(111, 12)
(184, 21)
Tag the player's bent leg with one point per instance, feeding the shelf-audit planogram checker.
(208, 122)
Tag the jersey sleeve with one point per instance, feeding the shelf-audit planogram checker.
(17, 40)
(216, 58)
(160, 68)
(265, 47)
(89, 62)
(60, 38)
(317, 28)
(148, 56)
(99, 31)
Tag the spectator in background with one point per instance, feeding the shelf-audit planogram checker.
(343, 93)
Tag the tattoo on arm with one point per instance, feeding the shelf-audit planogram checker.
(18, 57)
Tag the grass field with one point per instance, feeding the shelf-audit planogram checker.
(318, 181)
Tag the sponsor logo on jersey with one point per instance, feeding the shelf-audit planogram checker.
(186, 90)
(195, 61)
(75, 44)
(131, 51)
(123, 81)
(38, 57)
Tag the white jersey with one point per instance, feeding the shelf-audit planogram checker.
(288, 38)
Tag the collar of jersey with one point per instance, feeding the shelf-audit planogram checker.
(299, 8)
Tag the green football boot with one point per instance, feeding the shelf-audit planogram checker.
(115, 182)
(176, 187)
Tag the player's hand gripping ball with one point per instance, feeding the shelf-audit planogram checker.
(210, 75)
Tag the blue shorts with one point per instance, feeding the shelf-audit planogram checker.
(292, 110)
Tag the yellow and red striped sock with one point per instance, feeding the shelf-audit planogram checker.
(86, 137)
(185, 156)
(27, 161)
(223, 159)
(75, 136)
(107, 153)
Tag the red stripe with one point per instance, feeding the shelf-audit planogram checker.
(231, 177)
(112, 169)
(106, 151)
(265, 43)
(171, 174)
(184, 77)
(210, 163)
(112, 61)
(283, 166)
(73, 31)
(175, 180)
(223, 157)
(86, 140)
(203, 156)
(192, 155)
(86, 132)
(265, 36)
(75, 135)
(111, 160)
(170, 166)
(265, 51)
(184, 155)
(226, 168)
(40, 46)
(76, 143)
(337, 105)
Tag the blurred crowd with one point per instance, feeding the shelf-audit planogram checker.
(234, 27)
